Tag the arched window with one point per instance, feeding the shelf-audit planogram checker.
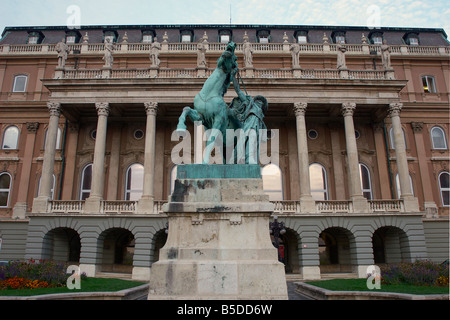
(397, 183)
(318, 182)
(173, 177)
(444, 188)
(52, 191)
(366, 183)
(58, 139)
(86, 181)
(391, 138)
(134, 182)
(5, 189)
(438, 138)
(20, 83)
(272, 182)
(10, 138)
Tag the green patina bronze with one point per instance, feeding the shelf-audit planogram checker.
(223, 171)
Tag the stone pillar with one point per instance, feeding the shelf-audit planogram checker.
(411, 203)
(98, 171)
(307, 203)
(69, 175)
(354, 178)
(20, 208)
(145, 204)
(40, 203)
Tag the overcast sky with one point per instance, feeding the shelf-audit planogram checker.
(385, 13)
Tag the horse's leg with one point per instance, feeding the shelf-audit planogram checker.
(187, 112)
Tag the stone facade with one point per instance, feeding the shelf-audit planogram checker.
(84, 120)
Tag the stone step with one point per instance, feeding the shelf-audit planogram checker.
(329, 276)
(113, 275)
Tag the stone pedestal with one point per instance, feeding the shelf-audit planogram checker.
(219, 244)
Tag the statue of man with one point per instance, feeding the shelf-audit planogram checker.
(109, 49)
(248, 54)
(386, 55)
(154, 53)
(295, 52)
(63, 50)
(201, 54)
(341, 57)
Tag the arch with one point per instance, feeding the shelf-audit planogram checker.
(289, 250)
(10, 139)
(116, 250)
(134, 182)
(390, 245)
(336, 250)
(438, 139)
(158, 242)
(5, 189)
(62, 244)
(366, 181)
(444, 188)
(272, 181)
(318, 181)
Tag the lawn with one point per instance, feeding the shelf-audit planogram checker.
(360, 285)
(87, 285)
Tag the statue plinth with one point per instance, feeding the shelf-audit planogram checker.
(219, 245)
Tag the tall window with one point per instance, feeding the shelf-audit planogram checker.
(429, 85)
(397, 183)
(58, 139)
(272, 182)
(391, 138)
(20, 83)
(444, 188)
(5, 189)
(86, 182)
(135, 182)
(318, 182)
(10, 138)
(438, 138)
(366, 183)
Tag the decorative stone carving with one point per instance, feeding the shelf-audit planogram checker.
(201, 53)
(54, 108)
(63, 50)
(300, 108)
(248, 54)
(348, 108)
(108, 56)
(341, 57)
(417, 126)
(154, 53)
(102, 108)
(395, 108)
(32, 127)
(295, 52)
(151, 108)
(386, 56)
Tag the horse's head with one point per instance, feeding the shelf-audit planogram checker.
(231, 47)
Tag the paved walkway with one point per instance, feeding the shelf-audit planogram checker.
(292, 295)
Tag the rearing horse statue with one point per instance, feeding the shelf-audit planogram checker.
(209, 106)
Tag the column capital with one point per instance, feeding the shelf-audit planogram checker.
(417, 126)
(395, 108)
(32, 127)
(102, 108)
(54, 108)
(348, 108)
(151, 108)
(300, 108)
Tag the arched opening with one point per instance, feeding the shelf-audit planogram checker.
(390, 245)
(62, 244)
(118, 250)
(335, 250)
(288, 249)
(272, 182)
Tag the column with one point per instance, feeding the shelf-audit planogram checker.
(410, 203)
(354, 178)
(20, 208)
(145, 204)
(98, 171)
(307, 203)
(71, 155)
(40, 203)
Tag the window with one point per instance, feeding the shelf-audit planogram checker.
(20, 83)
(318, 182)
(52, 190)
(444, 188)
(272, 182)
(428, 84)
(73, 37)
(5, 189)
(186, 36)
(134, 182)
(58, 139)
(313, 134)
(366, 184)
(397, 184)
(224, 36)
(391, 137)
(148, 36)
(301, 36)
(411, 39)
(111, 35)
(35, 37)
(263, 36)
(338, 37)
(10, 138)
(438, 138)
(86, 181)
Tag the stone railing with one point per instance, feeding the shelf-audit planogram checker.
(258, 48)
(281, 207)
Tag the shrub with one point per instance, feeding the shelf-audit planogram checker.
(419, 273)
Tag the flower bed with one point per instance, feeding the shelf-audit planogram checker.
(419, 273)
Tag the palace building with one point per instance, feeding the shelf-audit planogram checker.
(362, 119)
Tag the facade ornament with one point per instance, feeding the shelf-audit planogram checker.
(285, 38)
(348, 108)
(125, 38)
(386, 55)
(201, 53)
(395, 108)
(154, 53)
(245, 37)
(248, 53)
(54, 108)
(102, 108)
(341, 57)
(363, 39)
(63, 50)
(295, 52)
(108, 56)
(86, 38)
(165, 37)
(32, 127)
(325, 38)
(151, 108)
(300, 108)
(417, 126)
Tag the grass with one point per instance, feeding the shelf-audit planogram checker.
(360, 285)
(87, 285)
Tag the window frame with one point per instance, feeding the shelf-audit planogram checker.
(429, 80)
(363, 189)
(301, 33)
(263, 34)
(6, 190)
(17, 76)
(128, 189)
(225, 32)
(147, 33)
(442, 190)
(82, 190)
(325, 191)
(186, 32)
(444, 138)
(16, 146)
